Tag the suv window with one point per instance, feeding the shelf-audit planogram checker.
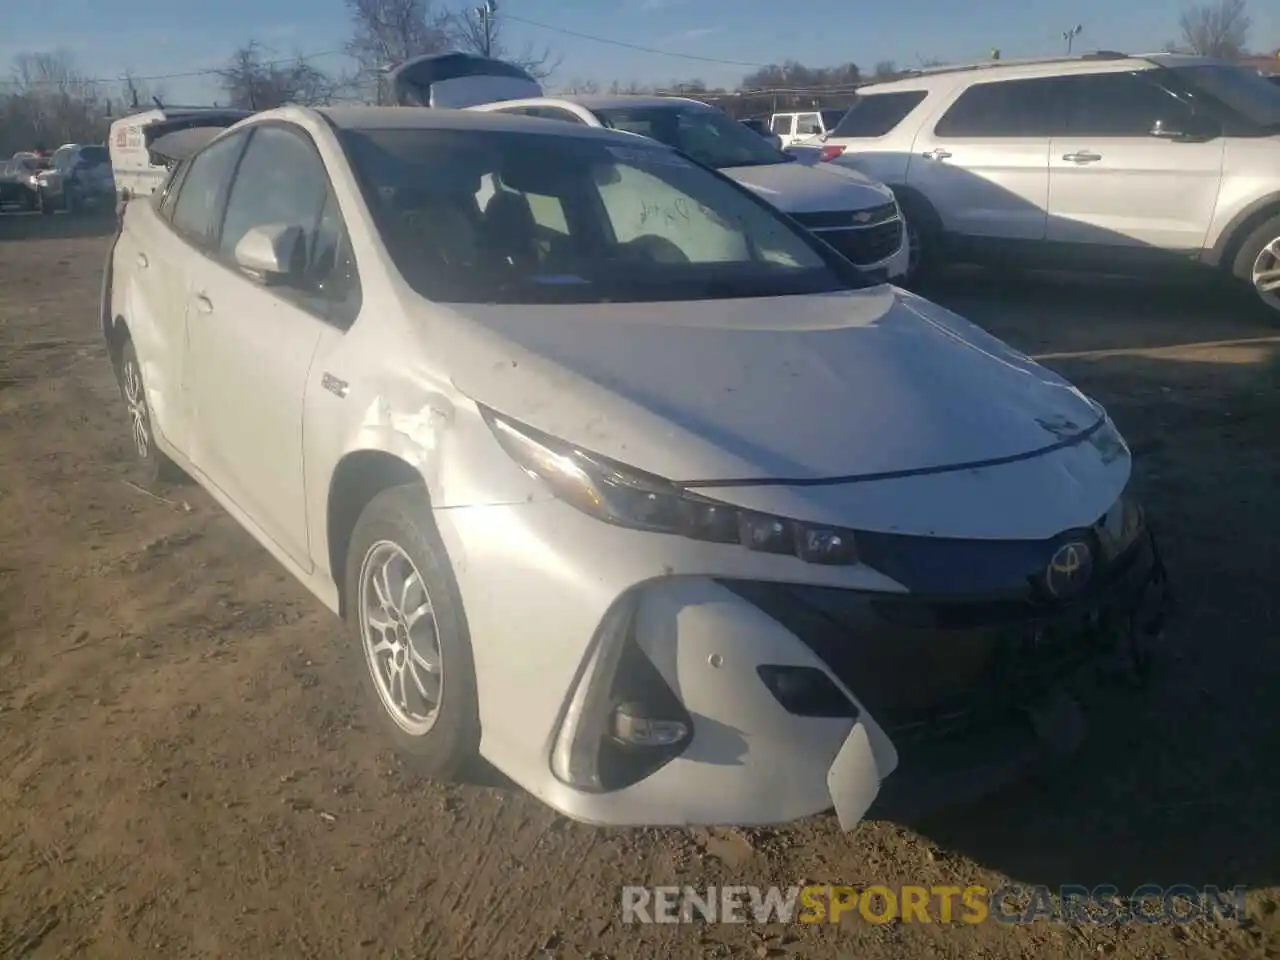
(781, 125)
(282, 180)
(1002, 108)
(808, 124)
(875, 114)
(196, 212)
(1116, 105)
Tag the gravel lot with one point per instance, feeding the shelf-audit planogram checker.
(189, 772)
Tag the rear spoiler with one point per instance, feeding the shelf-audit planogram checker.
(177, 146)
(209, 120)
(457, 80)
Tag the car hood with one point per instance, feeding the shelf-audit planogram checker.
(799, 187)
(860, 384)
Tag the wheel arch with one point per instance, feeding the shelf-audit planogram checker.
(1223, 252)
(359, 477)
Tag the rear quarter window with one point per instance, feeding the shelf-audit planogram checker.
(876, 114)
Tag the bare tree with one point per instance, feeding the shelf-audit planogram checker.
(475, 31)
(50, 103)
(580, 86)
(136, 94)
(252, 81)
(886, 70)
(388, 32)
(1217, 29)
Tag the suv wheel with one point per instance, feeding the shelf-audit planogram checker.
(1258, 263)
(405, 612)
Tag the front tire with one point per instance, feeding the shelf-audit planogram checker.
(405, 614)
(45, 204)
(153, 467)
(1258, 264)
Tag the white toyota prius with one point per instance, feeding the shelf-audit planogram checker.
(620, 478)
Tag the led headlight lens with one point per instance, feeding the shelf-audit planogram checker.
(1121, 525)
(627, 497)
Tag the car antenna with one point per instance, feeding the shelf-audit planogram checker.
(156, 101)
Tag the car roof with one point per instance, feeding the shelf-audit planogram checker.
(1097, 62)
(433, 118)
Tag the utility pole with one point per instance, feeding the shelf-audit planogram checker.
(486, 12)
(1070, 35)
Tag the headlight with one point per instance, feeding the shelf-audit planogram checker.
(630, 498)
(1121, 525)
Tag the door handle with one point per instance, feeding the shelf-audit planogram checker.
(1083, 157)
(203, 303)
(936, 154)
(142, 260)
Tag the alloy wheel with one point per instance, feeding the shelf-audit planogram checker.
(400, 637)
(1266, 274)
(139, 417)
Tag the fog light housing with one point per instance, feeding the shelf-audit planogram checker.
(623, 722)
(631, 726)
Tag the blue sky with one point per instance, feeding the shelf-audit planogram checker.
(164, 37)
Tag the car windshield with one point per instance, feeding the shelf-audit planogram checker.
(831, 118)
(1245, 91)
(709, 136)
(513, 217)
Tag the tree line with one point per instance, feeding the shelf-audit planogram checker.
(48, 101)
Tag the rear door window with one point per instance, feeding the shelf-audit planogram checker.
(781, 125)
(807, 124)
(876, 114)
(1004, 108)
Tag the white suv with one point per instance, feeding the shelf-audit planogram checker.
(1105, 159)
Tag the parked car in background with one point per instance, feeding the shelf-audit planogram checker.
(799, 127)
(858, 217)
(621, 479)
(18, 186)
(78, 180)
(1104, 160)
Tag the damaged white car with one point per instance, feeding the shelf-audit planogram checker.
(619, 478)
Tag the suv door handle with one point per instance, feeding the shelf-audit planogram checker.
(203, 303)
(938, 154)
(1082, 157)
(142, 260)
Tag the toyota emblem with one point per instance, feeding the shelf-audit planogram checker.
(1070, 570)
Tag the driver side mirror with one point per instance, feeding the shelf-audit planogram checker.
(1189, 128)
(272, 251)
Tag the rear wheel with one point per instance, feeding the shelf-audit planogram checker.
(1258, 264)
(405, 613)
(154, 467)
(44, 203)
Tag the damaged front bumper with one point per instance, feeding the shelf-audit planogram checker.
(639, 689)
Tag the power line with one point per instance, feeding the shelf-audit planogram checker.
(632, 46)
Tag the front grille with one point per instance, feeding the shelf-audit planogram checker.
(864, 236)
(931, 668)
(841, 219)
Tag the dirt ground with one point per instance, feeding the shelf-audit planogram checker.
(188, 770)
